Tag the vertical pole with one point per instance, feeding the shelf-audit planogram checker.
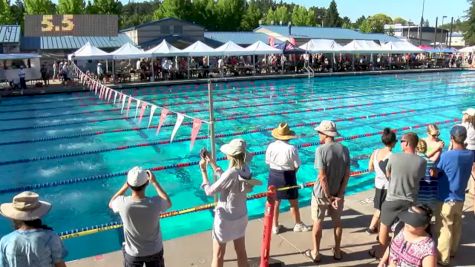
(211, 125)
(113, 71)
(152, 77)
(267, 233)
(435, 31)
(451, 30)
(422, 21)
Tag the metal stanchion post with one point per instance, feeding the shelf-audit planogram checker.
(211, 125)
(267, 234)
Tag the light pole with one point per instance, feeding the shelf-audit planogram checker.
(442, 29)
(422, 21)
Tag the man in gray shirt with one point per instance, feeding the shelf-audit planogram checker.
(141, 218)
(332, 160)
(404, 170)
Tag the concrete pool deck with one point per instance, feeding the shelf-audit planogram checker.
(287, 248)
(56, 87)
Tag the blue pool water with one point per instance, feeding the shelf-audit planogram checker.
(240, 106)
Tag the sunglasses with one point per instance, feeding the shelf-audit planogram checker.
(403, 141)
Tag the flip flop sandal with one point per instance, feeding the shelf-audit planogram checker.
(335, 257)
(308, 254)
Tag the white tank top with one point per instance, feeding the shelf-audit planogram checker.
(380, 180)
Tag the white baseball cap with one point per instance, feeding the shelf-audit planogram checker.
(137, 176)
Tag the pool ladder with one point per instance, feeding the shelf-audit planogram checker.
(310, 71)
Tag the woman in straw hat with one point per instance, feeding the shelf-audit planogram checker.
(283, 160)
(230, 218)
(32, 243)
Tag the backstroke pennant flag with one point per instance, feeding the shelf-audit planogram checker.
(179, 120)
(163, 116)
(128, 106)
(137, 109)
(152, 110)
(123, 103)
(110, 95)
(115, 96)
(142, 111)
(95, 90)
(194, 131)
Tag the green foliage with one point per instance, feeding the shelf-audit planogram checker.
(134, 13)
(375, 23)
(346, 23)
(282, 15)
(318, 15)
(301, 17)
(107, 7)
(39, 7)
(469, 34)
(18, 12)
(391, 31)
(180, 9)
(230, 13)
(250, 18)
(332, 18)
(71, 7)
(399, 20)
(6, 15)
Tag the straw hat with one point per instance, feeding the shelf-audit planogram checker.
(26, 206)
(327, 128)
(469, 111)
(235, 147)
(283, 132)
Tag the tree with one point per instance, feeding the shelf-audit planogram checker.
(346, 23)
(180, 9)
(301, 17)
(358, 22)
(6, 16)
(39, 7)
(18, 12)
(230, 13)
(250, 18)
(399, 20)
(108, 7)
(135, 13)
(391, 31)
(71, 7)
(282, 15)
(269, 17)
(375, 23)
(332, 18)
(469, 34)
(426, 23)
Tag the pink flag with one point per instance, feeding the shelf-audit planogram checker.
(128, 106)
(110, 95)
(152, 110)
(179, 120)
(137, 108)
(142, 111)
(194, 131)
(123, 103)
(95, 90)
(163, 116)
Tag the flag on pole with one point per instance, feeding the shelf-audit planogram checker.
(137, 109)
(194, 131)
(152, 110)
(124, 96)
(142, 111)
(179, 120)
(115, 96)
(128, 106)
(163, 116)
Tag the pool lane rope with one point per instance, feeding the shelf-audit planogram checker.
(232, 117)
(116, 225)
(193, 163)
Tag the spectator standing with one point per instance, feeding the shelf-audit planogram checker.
(55, 70)
(21, 76)
(428, 186)
(468, 121)
(284, 162)
(230, 218)
(141, 218)
(44, 74)
(434, 144)
(454, 169)
(100, 71)
(332, 160)
(32, 244)
(404, 170)
(377, 163)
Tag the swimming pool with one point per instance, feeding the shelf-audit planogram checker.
(47, 139)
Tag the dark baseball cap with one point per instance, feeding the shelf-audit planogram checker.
(416, 218)
(459, 131)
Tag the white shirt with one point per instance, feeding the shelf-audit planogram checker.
(470, 141)
(282, 156)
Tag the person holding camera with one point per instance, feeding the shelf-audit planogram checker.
(141, 218)
(230, 220)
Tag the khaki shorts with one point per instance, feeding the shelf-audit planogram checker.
(320, 206)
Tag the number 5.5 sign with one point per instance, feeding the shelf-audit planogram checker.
(66, 25)
(71, 25)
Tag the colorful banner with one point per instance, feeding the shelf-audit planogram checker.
(179, 120)
(152, 110)
(137, 108)
(123, 103)
(142, 111)
(128, 107)
(194, 131)
(163, 116)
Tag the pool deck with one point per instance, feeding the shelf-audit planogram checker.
(56, 87)
(287, 248)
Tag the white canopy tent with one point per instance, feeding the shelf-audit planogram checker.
(165, 49)
(89, 52)
(362, 46)
(231, 49)
(468, 49)
(128, 51)
(198, 49)
(321, 46)
(260, 48)
(400, 47)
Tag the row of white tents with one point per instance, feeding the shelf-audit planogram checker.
(164, 49)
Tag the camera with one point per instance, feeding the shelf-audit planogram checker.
(204, 153)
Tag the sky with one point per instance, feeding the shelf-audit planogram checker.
(407, 9)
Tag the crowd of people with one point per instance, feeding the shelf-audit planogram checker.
(425, 220)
